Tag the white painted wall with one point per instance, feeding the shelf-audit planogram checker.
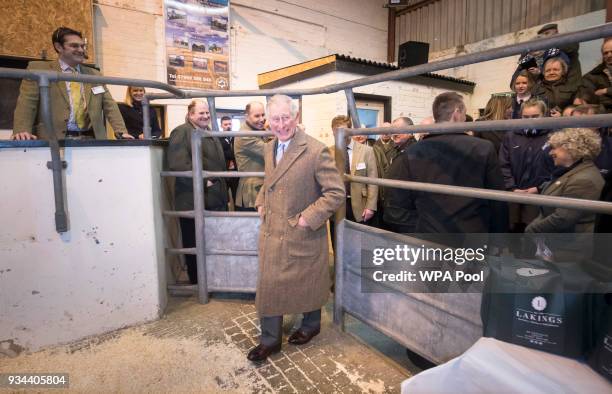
(108, 271)
(265, 35)
(494, 76)
(407, 99)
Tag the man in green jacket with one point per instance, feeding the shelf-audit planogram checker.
(249, 156)
(77, 109)
(596, 87)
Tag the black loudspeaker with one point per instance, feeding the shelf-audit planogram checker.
(413, 53)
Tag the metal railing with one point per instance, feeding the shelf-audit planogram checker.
(199, 213)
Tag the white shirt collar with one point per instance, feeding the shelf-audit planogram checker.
(65, 67)
(286, 143)
(350, 145)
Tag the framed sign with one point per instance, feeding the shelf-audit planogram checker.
(197, 43)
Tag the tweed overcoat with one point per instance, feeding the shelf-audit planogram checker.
(293, 260)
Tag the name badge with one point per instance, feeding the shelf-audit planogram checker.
(97, 89)
(360, 166)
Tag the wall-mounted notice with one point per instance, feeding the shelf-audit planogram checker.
(197, 43)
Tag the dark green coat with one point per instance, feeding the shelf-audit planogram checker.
(179, 159)
(583, 181)
(560, 93)
(594, 80)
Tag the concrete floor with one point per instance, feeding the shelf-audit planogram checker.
(202, 348)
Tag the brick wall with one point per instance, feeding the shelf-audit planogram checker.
(407, 99)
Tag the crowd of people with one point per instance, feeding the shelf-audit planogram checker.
(545, 83)
(302, 187)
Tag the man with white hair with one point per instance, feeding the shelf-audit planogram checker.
(179, 159)
(302, 189)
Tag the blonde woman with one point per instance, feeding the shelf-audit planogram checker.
(131, 110)
(497, 108)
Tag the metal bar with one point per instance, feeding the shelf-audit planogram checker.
(54, 76)
(213, 174)
(198, 208)
(179, 214)
(194, 288)
(391, 18)
(589, 121)
(56, 165)
(182, 290)
(233, 174)
(213, 113)
(181, 250)
(555, 41)
(232, 290)
(352, 107)
(224, 252)
(146, 118)
(253, 133)
(177, 174)
(339, 220)
(397, 338)
(233, 214)
(498, 195)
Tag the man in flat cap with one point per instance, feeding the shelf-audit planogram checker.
(534, 61)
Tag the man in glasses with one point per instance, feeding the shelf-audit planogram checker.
(77, 109)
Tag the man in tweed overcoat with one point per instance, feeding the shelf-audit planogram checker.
(301, 190)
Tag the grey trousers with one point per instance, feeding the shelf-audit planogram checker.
(271, 327)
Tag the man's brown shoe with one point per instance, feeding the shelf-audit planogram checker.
(301, 337)
(261, 352)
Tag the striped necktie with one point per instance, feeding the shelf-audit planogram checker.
(280, 152)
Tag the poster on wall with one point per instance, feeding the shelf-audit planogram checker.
(197, 43)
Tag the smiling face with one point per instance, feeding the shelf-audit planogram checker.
(72, 52)
(137, 93)
(553, 71)
(400, 139)
(200, 115)
(561, 156)
(282, 123)
(256, 117)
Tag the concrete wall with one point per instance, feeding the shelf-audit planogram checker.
(494, 76)
(108, 271)
(264, 35)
